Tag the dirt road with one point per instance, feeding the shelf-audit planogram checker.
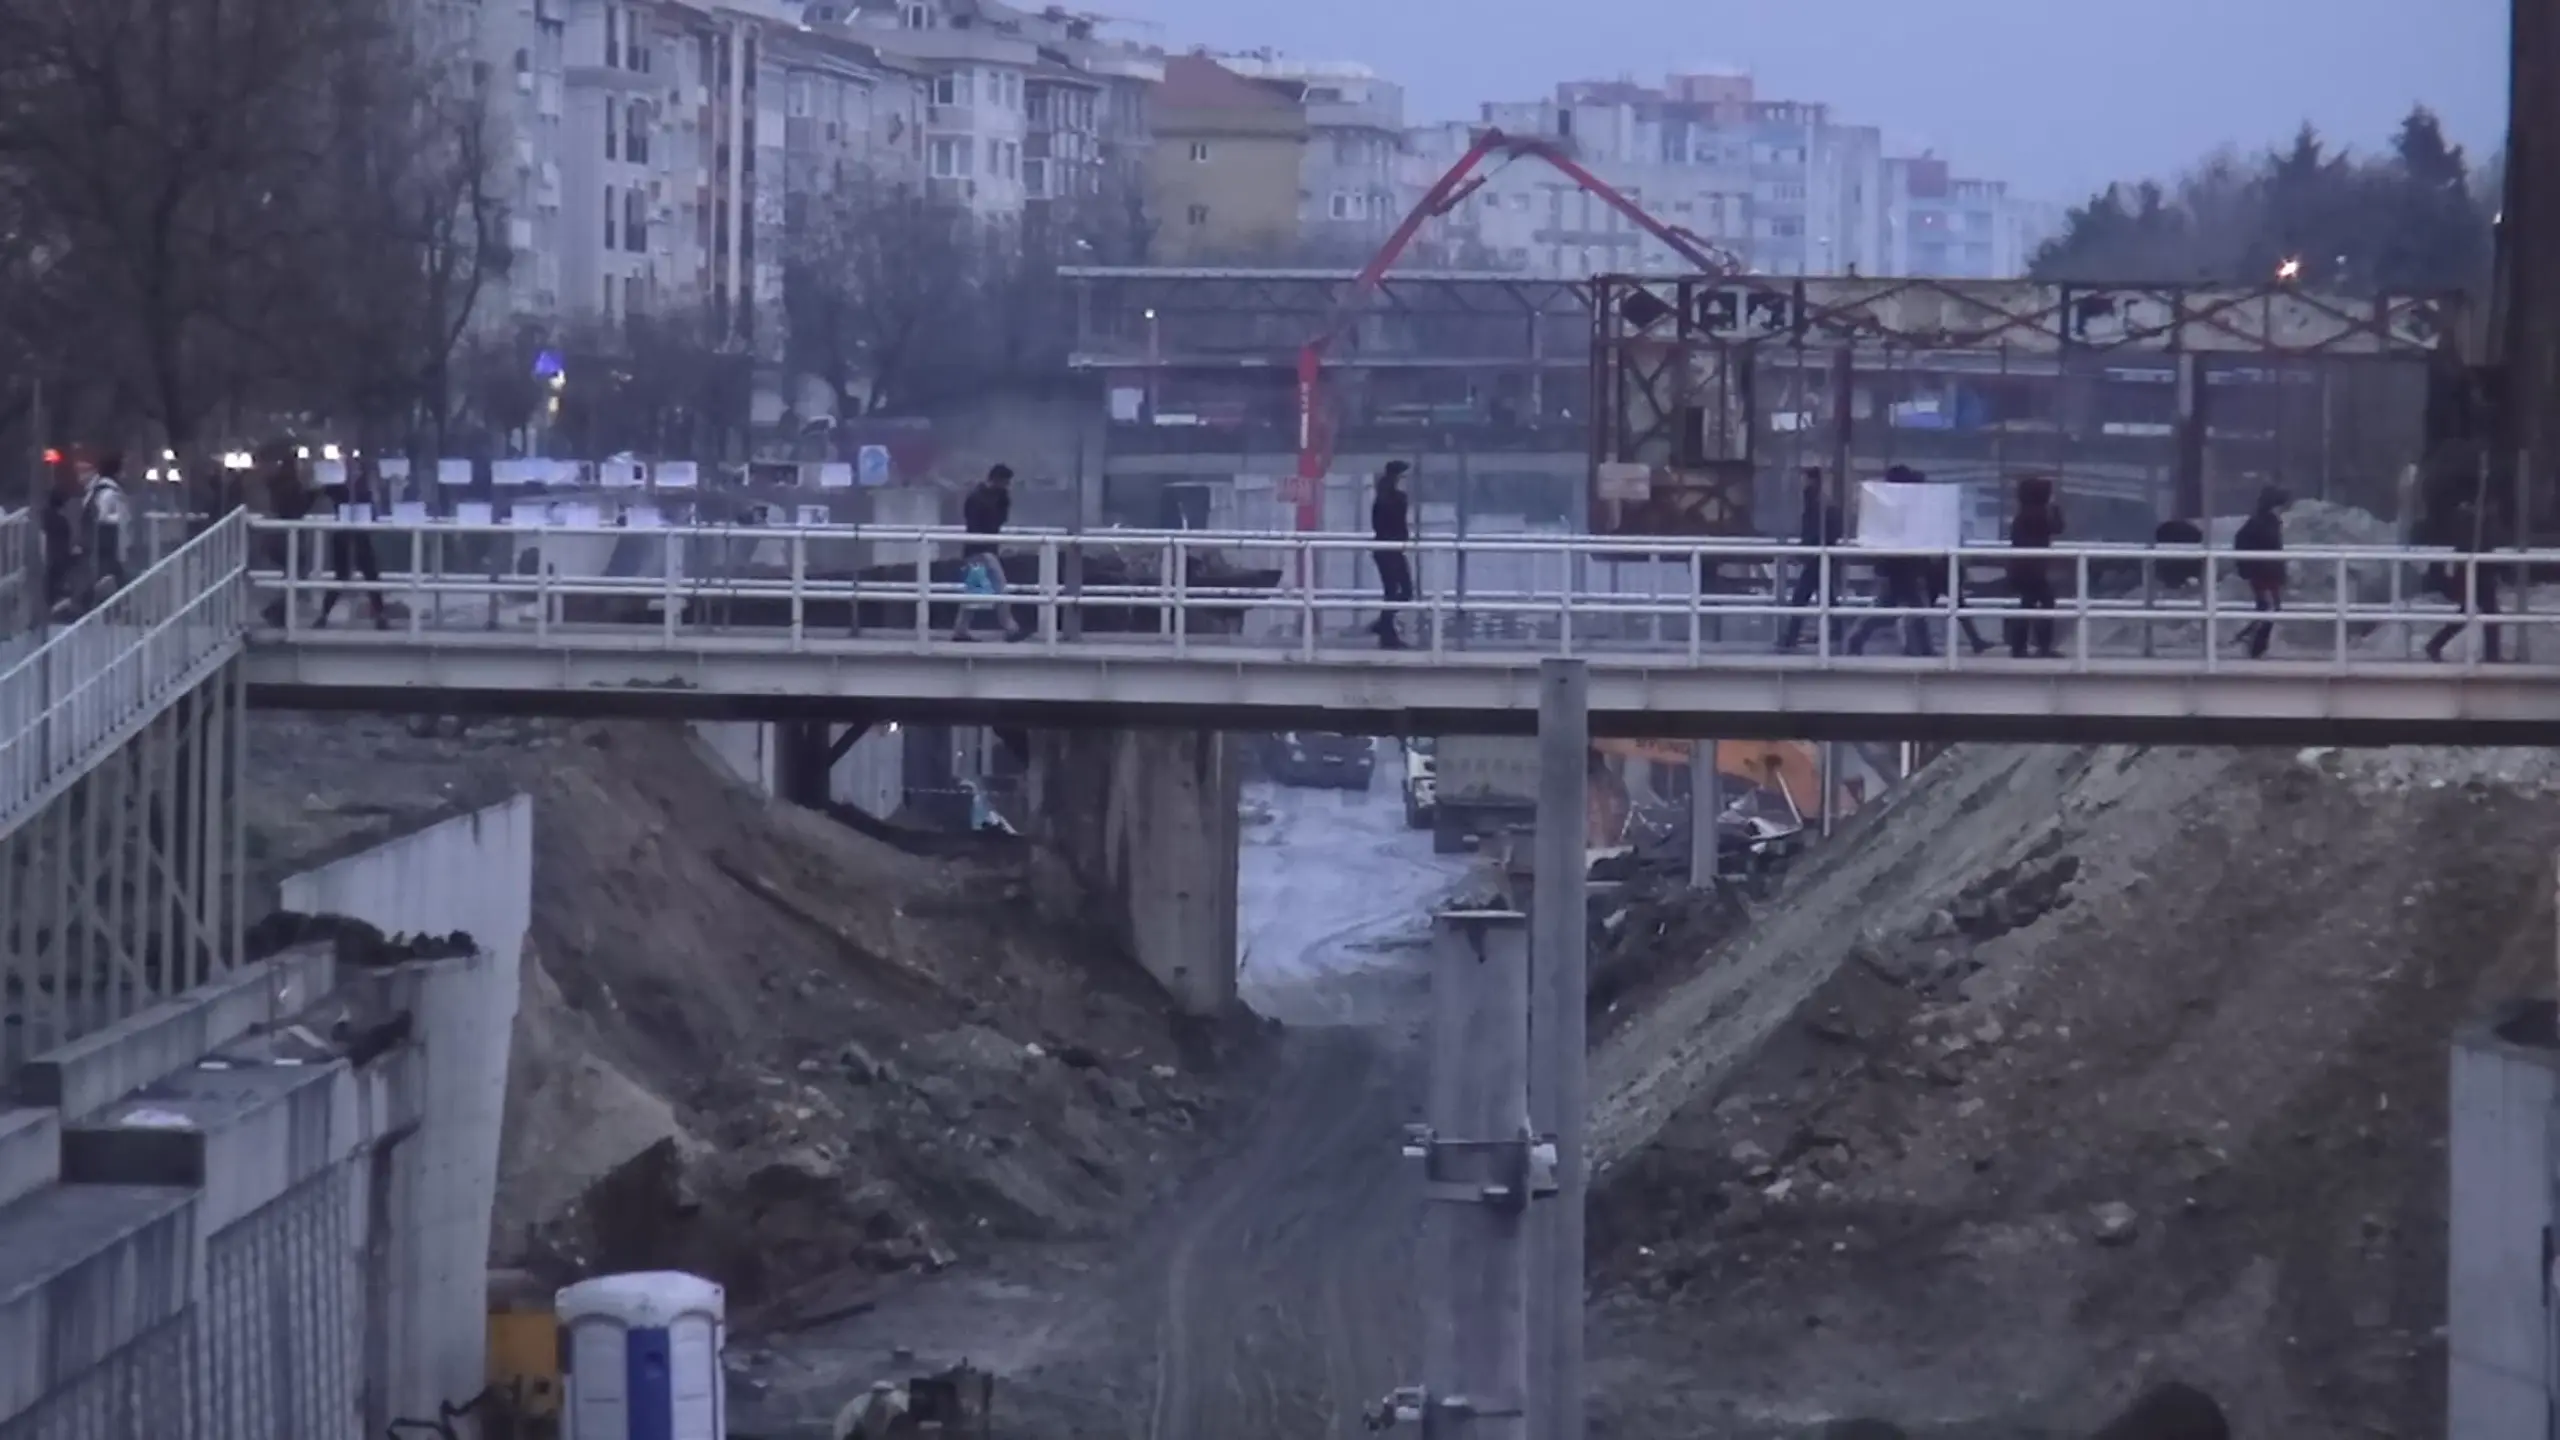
(1285, 1303)
(1271, 1298)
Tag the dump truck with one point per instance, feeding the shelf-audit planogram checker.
(1482, 786)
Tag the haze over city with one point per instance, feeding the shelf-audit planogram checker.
(2154, 85)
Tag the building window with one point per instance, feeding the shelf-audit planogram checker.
(635, 134)
(1199, 215)
(612, 38)
(1348, 205)
(1035, 179)
(919, 17)
(1199, 152)
(949, 158)
(951, 88)
(612, 131)
(635, 221)
(612, 206)
(633, 295)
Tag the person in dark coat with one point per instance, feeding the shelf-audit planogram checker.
(351, 552)
(2036, 526)
(1391, 530)
(288, 496)
(61, 545)
(1819, 527)
(2483, 601)
(1902, 583)
(2262, 534)
(986, 511)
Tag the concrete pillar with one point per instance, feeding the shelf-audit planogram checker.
(2502, 1382)
(1146, 821)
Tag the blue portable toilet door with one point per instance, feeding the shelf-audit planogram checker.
(649, 1376)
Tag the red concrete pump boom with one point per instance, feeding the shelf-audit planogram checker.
(1315, 442)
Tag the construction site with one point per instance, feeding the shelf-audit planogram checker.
(1969, 1091)
(1973, 1092)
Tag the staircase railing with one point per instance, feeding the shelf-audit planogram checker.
(91, 684)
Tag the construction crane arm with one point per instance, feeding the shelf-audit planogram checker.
(1315, 446)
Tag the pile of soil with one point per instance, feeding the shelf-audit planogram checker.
(2064, 1072)
(755, 1044)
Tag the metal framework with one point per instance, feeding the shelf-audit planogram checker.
(1675, 361)
(121, 747)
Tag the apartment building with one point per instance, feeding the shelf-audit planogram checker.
(1940, 223)
(1022, 108)
(1781, 185)
(1354, 186)
(1785, 186)
(1230, 159)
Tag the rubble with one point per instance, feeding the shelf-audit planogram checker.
(753, 1043)
(2119, 1050)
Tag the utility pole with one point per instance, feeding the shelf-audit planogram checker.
(1558, 1105)
(1481, 1168)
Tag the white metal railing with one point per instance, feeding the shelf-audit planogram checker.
(1692, 600)
(21, 578)
(81, 693)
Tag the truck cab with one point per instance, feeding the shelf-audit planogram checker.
(1421, 781)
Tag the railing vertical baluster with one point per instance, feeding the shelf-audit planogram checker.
(924, 589)
(670, 594)
(1180, 571)
(1164, 587)
(2339, 659)
(1302, 554)
(799, 589)
(1566, 575)
(2080, 641)
(1697, 568)
(2212, 607)
(1051, 622)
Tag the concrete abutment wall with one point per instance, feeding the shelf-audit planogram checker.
(1147, 822)
(262, 1208)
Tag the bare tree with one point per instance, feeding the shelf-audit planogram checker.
(144, 147)
(883, 290)
(677, 386)
(402, 232)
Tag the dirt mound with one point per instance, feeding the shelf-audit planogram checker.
(2133, 1058)
(757, 1044)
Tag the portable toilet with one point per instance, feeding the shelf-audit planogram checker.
(641, 1358)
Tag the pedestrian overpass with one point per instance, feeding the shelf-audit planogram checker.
(1204, 630)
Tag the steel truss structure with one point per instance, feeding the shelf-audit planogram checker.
(122, 744)
(1132, 318)
(1675, 359)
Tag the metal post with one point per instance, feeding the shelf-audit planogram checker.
(1706, 802)
(1557, 1104)
(1481, 1168)
(1466, 514)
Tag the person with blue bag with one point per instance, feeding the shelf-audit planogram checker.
(985, 511)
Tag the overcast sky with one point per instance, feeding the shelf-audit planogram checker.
(2055, 96)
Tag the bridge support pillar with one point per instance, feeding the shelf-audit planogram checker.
(2502, 1375)
(1146, 822)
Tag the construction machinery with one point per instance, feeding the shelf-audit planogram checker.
(1461, 181)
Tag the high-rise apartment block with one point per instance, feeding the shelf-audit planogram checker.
(654, 153)
(1785, 186)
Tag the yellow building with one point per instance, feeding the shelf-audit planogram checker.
(1223, 176)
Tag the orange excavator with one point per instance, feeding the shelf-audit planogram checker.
(1315, 439)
